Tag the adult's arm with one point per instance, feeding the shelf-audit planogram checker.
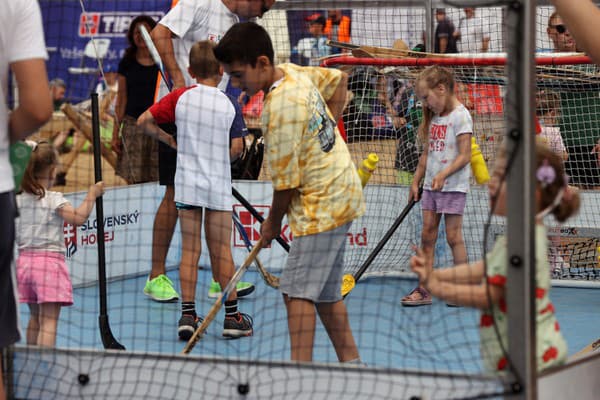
(149, 126)
(162, 38)
(582, 18)
(120, 105)
(35, 104)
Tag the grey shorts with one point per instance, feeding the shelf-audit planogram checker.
(315, 266)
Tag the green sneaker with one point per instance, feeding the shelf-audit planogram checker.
(161, 289)
(243, 289)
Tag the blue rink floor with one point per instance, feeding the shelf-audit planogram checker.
(386, 335)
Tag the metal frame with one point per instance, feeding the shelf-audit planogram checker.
(519, 111)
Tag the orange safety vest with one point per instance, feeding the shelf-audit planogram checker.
(343, 29)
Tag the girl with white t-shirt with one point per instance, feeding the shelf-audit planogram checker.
(445, 131)
(42, 275)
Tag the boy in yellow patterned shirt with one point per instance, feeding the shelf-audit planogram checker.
(314, 182)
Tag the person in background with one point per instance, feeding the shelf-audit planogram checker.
(581, 16)
(581, 132)
(337, 28)
(445, 41)
(58, 90)
(23, 53)
(547, 111)
(188, 22)
(314, 47)
(559, 34)
(482, 284)
(472, 36)
(137, 153)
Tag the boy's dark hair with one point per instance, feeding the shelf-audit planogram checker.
(202, 60)
(244, 42)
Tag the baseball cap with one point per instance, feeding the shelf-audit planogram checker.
(440, 11)
(316, 19)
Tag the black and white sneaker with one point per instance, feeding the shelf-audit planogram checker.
(187, 326)
(237, 326)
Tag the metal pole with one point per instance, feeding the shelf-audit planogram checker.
(519, 110)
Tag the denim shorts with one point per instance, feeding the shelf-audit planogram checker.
(444, 202)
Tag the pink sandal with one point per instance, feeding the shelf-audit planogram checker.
(423, 300)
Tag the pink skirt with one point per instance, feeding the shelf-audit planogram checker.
(43, 277)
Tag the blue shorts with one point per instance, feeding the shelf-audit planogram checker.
(444, 202)
(183, 206)
(315, 266)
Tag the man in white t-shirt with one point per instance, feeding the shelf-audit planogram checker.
(23, 51)
(472, 34)
(188, 22)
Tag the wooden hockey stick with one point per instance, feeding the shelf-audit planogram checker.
(268, 277)
(212, 313)
(589, 349)
(380, 52)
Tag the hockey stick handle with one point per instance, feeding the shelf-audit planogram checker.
(212, 313)
(269, 278)
(258, 217)
(154, 54)
(359, 273)
(350, 281)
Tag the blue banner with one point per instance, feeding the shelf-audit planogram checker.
(68, 29)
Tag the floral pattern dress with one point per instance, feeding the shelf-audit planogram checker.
(551, 348)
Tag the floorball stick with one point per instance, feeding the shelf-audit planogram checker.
(154, 54)
(269, 278)
(212, 313)
(258, 217)
(590, 348)
(349, 281)
(108, 339)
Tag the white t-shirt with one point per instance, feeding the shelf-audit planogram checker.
(39, 227)
(21, 38)
(443, 132)
(472, 33)
(206, 120)
(192, 21)
(550, 135)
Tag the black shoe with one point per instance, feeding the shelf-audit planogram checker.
(187, 326)
(237, 326)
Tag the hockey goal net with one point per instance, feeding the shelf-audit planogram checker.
(382, 116)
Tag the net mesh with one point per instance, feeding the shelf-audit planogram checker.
(432, 353)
